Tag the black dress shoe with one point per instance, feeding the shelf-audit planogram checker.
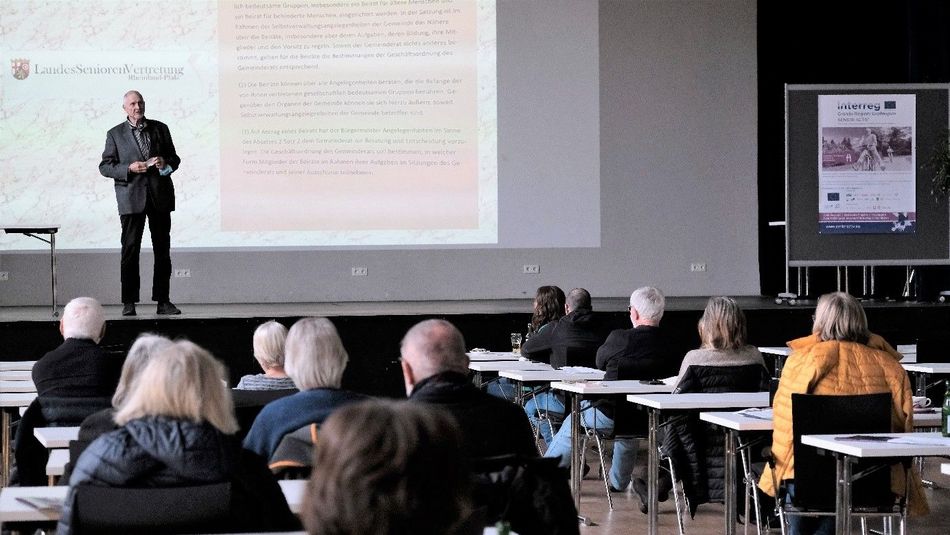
(167, 309)
(663, 491)
(128, 309)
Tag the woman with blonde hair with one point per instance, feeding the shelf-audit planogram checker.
(722, 334)
(840, 357)
(176, 429)
(268, 344)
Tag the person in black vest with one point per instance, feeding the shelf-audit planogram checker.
(78, 367)
(575, 336)
(435, 370)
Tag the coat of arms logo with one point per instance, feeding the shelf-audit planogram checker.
(21, 68)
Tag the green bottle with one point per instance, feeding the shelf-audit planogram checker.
(946, 412)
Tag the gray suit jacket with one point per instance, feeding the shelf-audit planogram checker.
(130, 188)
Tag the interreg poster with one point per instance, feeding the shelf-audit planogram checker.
(866, 167)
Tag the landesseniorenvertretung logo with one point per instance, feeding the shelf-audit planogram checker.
(20, 67)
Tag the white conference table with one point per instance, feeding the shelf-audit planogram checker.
(16, 375)
(10, 403)
(924, 371)
(481, 368)
(847, 446)
(656, 404)
(780, 353)
(17, 386)
(56, 465)
(16, 365)
(56, 437)
(565, 374)
(579, 390)
(13, 510)
(760, 419)
(483, 356)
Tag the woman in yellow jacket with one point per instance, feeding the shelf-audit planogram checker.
(840, 357)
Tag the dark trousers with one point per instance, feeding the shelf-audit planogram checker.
(159, 226)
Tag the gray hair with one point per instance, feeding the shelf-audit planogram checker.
(578, 298)
(314, 356)
(144, 347)
(434, 346)
(83, 317)
(268, 341)
(649, 303)
(840, 316)
(184, 382)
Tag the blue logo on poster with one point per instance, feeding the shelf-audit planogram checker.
(833, 196)
(890, 104)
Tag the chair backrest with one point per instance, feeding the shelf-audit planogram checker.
(248, 404)
(197, 509)
(815, 471)
(717, 379)
(531, 493)
(293, 457)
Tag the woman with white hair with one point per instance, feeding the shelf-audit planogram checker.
(177, 429)
(269, 339)
(315, 359)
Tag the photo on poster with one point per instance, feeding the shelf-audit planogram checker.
(866, 164)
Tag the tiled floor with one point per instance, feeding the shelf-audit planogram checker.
(626, 517)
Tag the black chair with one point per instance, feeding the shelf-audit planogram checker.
(530, 493)
(815, 473)
(166, 510)
(293, 457)
(695, 449)
(46, 411)
(573, 356)
(248, 404)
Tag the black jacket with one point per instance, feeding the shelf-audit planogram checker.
(77, 368)
(164, 452)
(643, 352)
(490, 426)
(697, 448)
(570, 341)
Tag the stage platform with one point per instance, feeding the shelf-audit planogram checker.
(371, 331)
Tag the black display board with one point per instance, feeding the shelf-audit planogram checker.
(930, 244)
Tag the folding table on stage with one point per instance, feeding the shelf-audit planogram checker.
(34, 231)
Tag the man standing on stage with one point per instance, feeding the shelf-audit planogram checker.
(140, 157)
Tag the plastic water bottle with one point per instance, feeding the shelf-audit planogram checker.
(946, 412)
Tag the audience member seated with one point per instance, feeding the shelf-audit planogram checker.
(176, 430)
(388, 468)
(435, 369)
(840, 357)
(269, 351)
(99, 423)
(78, 367)
(548, 307)
(315, 360)
(642, 352)
(577, 333)
(723, 363)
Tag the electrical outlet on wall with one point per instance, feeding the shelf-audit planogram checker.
(359, 271)
(182, 273)
(531, 269)
(698, 267)
(4, 275)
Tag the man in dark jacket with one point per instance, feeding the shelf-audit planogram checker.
(435, 369)
(78, 367)
(572, 340)
(638, 353)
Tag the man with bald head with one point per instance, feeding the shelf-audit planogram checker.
(435, 370)
(140, 158)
